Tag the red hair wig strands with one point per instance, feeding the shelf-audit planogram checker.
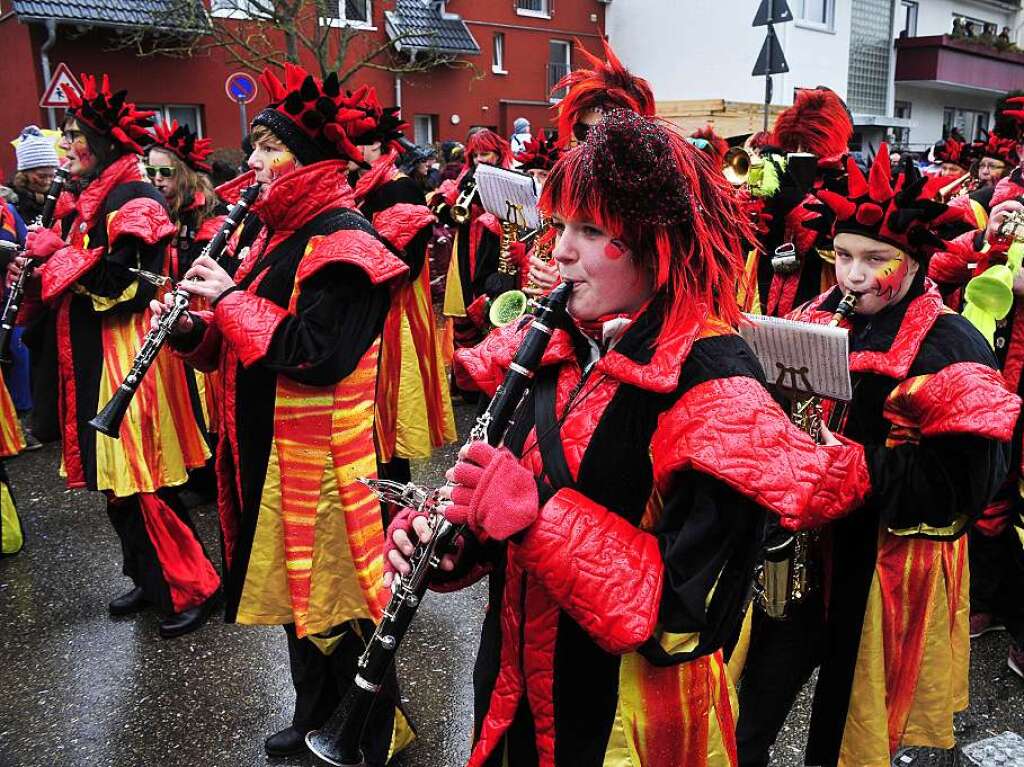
(818, 122)
(696, 261)
(487, 140)
(605, 85)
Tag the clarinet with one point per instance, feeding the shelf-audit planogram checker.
(337, 742)
(108, 420)
(14, 295)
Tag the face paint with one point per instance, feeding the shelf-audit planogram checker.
(281, 165)
(614, 250)
(889, 278)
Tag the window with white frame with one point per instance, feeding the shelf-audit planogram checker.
(186, 114)
(559, 64)
(908, 11)
(539, 8)
(423, 129)
(816, 14)
(903, 111)
(971, 123)
(349, 13)
(498, 58)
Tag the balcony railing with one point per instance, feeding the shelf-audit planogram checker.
(945, 61)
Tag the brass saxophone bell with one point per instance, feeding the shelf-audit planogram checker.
(508, 307)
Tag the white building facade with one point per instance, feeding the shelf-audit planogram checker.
(897, 63)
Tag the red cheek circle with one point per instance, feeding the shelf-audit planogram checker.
(613, 251)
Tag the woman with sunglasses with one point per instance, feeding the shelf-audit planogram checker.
(111, 223)
(621, 519)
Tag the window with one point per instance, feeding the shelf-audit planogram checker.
(816, 14)
(539, 8)
(350, 13)
(902, 110)
(423, 129)
(869, 80)
(559, 64)
(498, 59)
(185, 114)
(235, 9)
(908, 11)
(973, 125)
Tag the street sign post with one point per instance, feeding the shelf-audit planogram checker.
(771, 60)
(241, 88)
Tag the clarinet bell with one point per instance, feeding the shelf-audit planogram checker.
(108, 420)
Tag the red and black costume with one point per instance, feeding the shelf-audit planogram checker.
(656, 450)
(296, 343)
(888, 622)
(111, 224)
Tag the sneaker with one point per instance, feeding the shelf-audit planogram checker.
(31, 443)
(983, 623)
(1015, 660)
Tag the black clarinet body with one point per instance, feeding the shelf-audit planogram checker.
(13, 301)
(108, 420)
(337, 743)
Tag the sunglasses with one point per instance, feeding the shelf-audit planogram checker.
(164, 171)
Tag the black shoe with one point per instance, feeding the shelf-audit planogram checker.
(287, 742)
(188, 620)
(132, 602)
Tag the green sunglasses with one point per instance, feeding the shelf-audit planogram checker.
(164, 171)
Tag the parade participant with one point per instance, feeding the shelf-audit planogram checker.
(537, 272)
(37, 164)
(521, 135)
(477, 234)
(295, 335)
(110, 222)
(818, 123)
(887, 621)
(705, 139)
(621, 519)
(12, 441)
(996, 555)
(589, 93)
(1011, 186)
(413, 405)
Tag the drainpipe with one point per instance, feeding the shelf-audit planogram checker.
(44, 58)
(398, 90)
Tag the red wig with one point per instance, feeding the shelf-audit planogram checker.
(486, 140)
(717, 146)
(606, 85)
(645, 184)
(818, 122)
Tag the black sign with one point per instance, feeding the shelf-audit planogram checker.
(772, 60)
(772, 12)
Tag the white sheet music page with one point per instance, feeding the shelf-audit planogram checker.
(798, 355)
(498, 187)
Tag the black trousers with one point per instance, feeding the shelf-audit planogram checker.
(321, 681)
(781, 658)
(997, 578)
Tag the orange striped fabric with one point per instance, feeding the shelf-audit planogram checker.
(12, 441)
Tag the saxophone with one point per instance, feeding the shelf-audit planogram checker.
(785, 576)
(512, 304)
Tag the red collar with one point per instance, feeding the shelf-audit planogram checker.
(297, 197)
(90, 202)
(894, 362)
(381, 172)
(230, 191)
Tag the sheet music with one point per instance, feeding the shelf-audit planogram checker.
(798, 355)
(498, 187)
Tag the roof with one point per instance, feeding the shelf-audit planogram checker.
(423, 25)
(156, 14)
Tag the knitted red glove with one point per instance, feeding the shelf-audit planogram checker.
(494, 494)
(43, 243)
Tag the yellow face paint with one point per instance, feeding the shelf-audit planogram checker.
(889, 277)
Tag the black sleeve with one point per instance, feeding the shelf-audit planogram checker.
(936, 482)
(187, 342)
(111, 276)
(338, 315)
(488, 250)
(709, 536)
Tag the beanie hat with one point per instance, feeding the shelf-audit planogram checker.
(35, 150)
(521, 125)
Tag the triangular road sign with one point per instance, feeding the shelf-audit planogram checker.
(776, 63)
(56, 92)
(780, 13)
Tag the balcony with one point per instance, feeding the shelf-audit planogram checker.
(948, 63)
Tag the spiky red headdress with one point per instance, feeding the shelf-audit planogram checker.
(183, 143)
(110, 115)
(954, 151)
(606, 85)
(387, 127)
(997, 147)
(818, 122)
(488, 141)
(902, 215)
(313, 118)
(717, 145)
(645, 184)
(539, 154)
(1010, 111)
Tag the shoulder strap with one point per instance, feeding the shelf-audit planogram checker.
(549, 432)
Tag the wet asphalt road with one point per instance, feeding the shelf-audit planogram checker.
(79, 689)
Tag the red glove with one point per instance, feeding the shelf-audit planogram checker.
(494, 494)
(43, 243)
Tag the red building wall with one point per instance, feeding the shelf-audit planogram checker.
(474, 93)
